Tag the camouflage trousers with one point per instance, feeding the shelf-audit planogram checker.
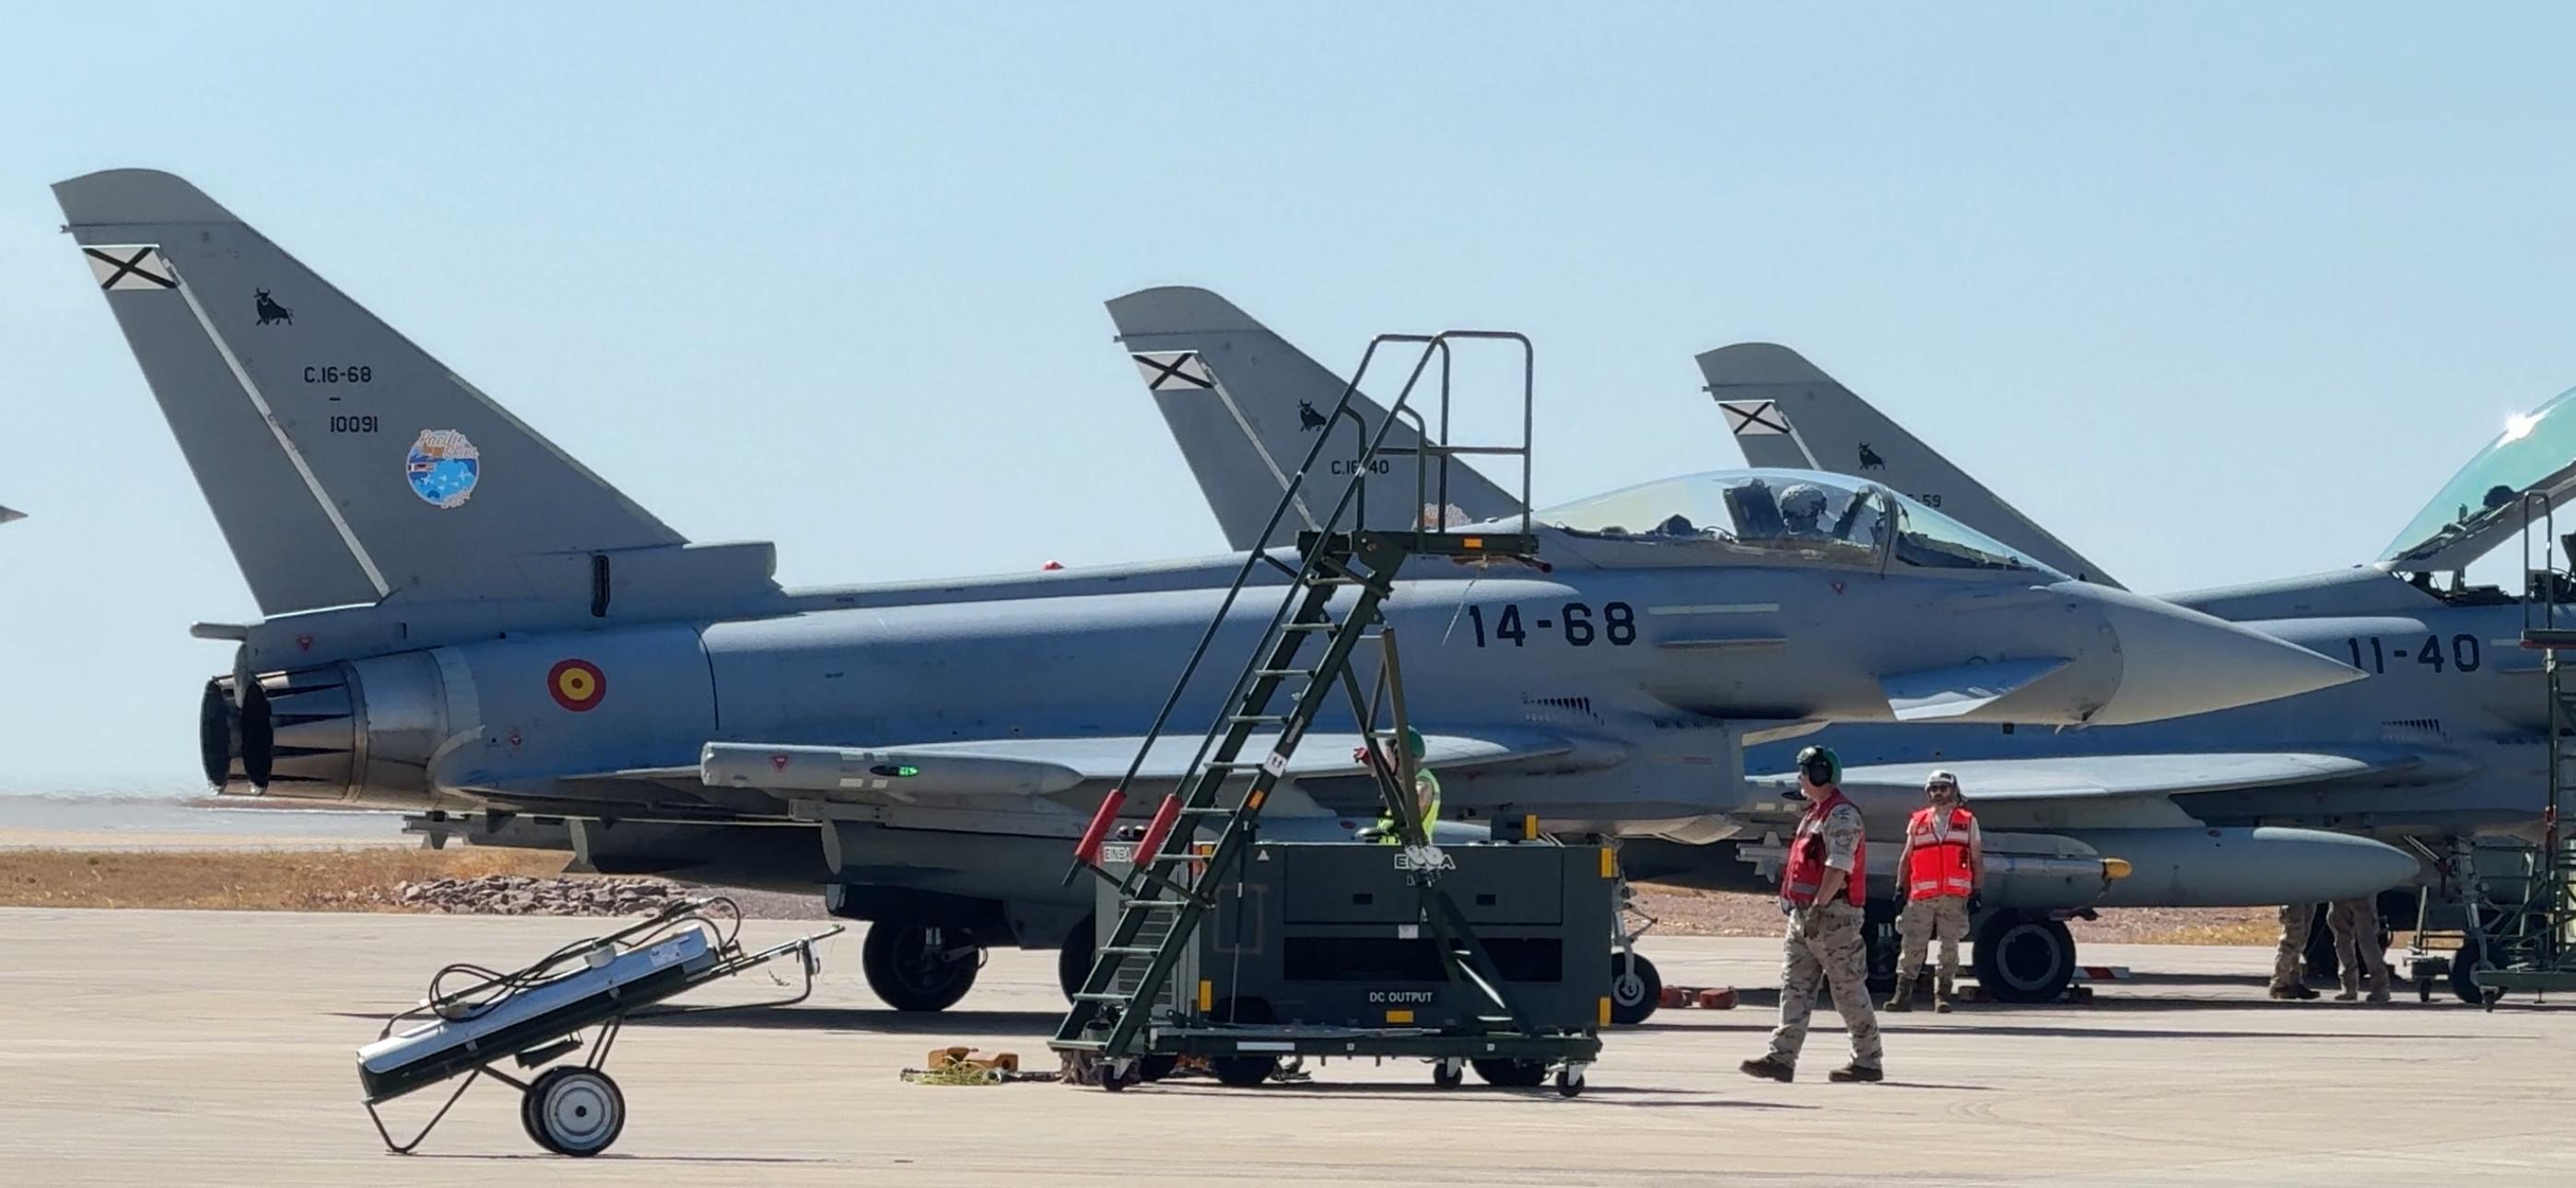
(2293, 950)
(2357, 950)
(1837, 958)
(1924, 920)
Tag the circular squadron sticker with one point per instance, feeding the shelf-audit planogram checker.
(443, 468)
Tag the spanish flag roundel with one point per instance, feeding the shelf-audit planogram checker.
(577, 685)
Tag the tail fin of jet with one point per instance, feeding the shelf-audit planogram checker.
(343, 463)
(1783, 411)
(1245, 407)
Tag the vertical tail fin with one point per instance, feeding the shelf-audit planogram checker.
(1784, 411)
(343, 463)
(1245, 406)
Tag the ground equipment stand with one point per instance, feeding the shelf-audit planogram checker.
(1128, 1020)
(536, 1015)
(2522, 910)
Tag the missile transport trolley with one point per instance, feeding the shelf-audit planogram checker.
(535, 1016)
(1373, 954)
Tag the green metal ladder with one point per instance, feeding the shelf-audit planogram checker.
(2524, 916)
(1166, 892)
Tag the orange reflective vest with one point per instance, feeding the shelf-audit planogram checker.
(1804, 872)
(1938, 867)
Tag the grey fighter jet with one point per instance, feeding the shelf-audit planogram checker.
(7, 514)
(2063, 836)
(458, 615)
(2448, 741)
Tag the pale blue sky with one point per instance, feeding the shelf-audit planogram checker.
(2215, 294)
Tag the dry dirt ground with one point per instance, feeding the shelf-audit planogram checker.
(367, 878)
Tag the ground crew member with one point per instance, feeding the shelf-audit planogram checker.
(2355, 923)
(2288, 979)
(1824, 881)
(1941, 871)
(1426, 790)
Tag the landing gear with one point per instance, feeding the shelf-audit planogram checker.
(2024, 958)
(1880, 945)
(918, 968)
(2464, 968)
(1073, 961)
(573, 1110)
(1636, 989)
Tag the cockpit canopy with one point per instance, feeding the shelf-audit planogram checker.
(2482, 505)
(1811, 514)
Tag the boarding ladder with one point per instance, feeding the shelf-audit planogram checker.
(1305, 649)
(2523, 897)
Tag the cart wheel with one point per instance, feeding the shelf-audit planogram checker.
(1636, 991)
(578, 1111)
(2423, 989)
(1108, 1077)
(1568, 1083)
(1242, 1072)
(1447, 1075)
(528, 1119)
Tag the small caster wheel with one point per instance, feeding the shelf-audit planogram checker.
(1568, 1082)
(1448, 1075)
(574, 1111)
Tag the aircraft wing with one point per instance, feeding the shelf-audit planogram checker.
(2111, 776)
(1048, 766)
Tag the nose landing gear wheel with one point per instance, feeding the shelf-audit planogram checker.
(2022, 958)
(917, 968)
(1636, 989)
(573, 1111)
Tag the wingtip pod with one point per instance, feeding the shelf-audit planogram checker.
(147, 196)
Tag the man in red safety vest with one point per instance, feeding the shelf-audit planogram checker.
(1824, 880)
(1939, 873)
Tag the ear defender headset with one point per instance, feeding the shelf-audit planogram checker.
(1821, 766)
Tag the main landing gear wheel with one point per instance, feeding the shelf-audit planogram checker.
(1511, 1074)
(1636, 989)
(1073, 961)
(573, 1111)
(2464, 968)
(2022, 958)
(915, 967)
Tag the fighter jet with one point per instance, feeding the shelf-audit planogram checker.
(458, 615)
(7, 514)
(2448, 741)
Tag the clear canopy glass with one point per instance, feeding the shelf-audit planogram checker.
(1822, 516)
(2484, 495)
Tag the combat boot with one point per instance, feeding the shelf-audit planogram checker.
(2379, 995)
(1857, 1072)
(1770, 1068)
(1940, 1002)
(2347, 994)
(1903, 998)
(2290, 992)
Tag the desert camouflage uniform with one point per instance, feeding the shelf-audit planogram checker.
(2356, 937)
(2293, 950)
(1836, 956)
(1943, 916)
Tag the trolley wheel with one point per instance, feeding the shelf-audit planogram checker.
(1568, 1083)
(1107, 1076)
(1635, 991)
(1242, 1072)
(2423, 989)
(528, 1115)
(1511, 1074)
(1447, 1075)
(914, 968)
(574, 1111)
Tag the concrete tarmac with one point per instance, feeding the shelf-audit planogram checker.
(143, 1047)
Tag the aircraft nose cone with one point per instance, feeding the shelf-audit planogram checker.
(2175, 662)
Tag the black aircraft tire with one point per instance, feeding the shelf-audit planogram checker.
(2464, 968)
(1511, 1074)
(2021, 958)
(900, 971)
(2319, 965)
(1073, 961)
(1634, 999)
